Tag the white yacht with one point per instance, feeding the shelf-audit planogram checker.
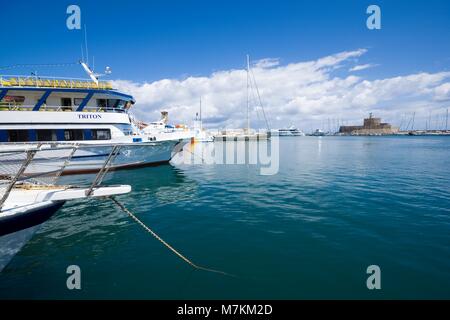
(27, 200)
(61, 110)
(291, 131)
(161, 130)
(202, 135)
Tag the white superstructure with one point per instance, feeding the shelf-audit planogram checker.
(161, 130)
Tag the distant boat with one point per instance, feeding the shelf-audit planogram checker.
(318, 133)
(291, 131)
(161, 130)
(200, 134)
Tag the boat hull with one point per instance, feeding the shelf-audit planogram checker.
(91, 158)
(17, 229)
(291, 134)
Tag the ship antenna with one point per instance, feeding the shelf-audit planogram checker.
(85, 63)
(82, 53)
(86, 43)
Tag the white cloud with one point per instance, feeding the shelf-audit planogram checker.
(305, 94)
(442, 92)
(267, 63)
(362, 67)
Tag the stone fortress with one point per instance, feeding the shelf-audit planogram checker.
(371, 126)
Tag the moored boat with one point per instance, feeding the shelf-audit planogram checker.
(28, 199)
(61, 110)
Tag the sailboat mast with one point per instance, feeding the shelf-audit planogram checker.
(201, 123)
(248, 98)
(429, 121)
(446, 120)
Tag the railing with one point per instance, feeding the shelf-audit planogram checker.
(22, 165)
(17, 160)
(5, 193)
(5, 106)
(52, 82)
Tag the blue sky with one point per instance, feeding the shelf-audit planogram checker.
(146, 41)
(150, 40)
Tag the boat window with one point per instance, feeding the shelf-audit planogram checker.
(120, 104)
(3, 136)
(101, 134)
(11, 101)
(46, 135)
(66, 102)
(18, 135)
(127, 132)
(77, 101)
(112, 103)
(101, 103)
(16, 99)
(73, 134)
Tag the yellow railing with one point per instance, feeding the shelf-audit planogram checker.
(20, 107)
(38, 82)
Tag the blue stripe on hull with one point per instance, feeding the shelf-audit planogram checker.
(91, 156)
(16, 222)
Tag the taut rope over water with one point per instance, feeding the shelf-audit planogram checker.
(196, 155)
(195, 266)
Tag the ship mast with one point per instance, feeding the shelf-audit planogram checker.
(251, 81)
(248, 98)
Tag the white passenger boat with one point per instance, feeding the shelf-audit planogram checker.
(291, 131)
(55, 110)
(28, 199)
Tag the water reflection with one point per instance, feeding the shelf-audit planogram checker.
(151, 187)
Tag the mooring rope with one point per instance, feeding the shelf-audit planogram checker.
(196, 155)
(195, 266)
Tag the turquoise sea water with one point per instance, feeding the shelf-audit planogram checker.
(337, 205)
